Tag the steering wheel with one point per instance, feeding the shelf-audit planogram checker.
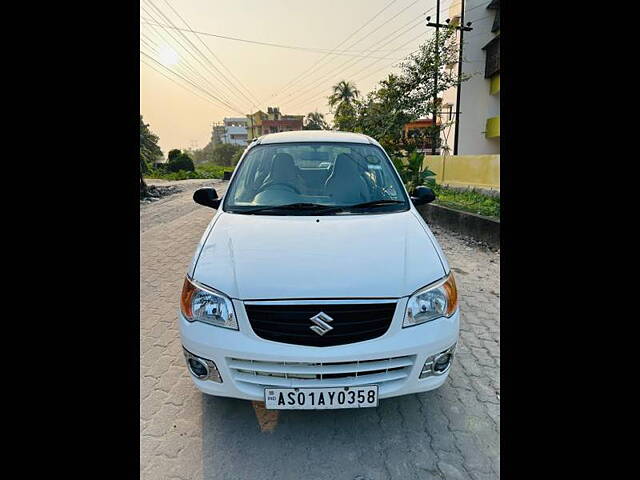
(269, 185)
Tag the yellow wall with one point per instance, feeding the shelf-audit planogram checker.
(495, 84)
(493, 127)
(466, 170)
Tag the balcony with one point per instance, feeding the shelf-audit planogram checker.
(492, 51)
(492, 129)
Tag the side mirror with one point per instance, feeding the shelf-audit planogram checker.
(422, 195)
(207, 197)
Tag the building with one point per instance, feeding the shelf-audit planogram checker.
(479, 121)
(233, 131)
(417, 133)
(260, 123)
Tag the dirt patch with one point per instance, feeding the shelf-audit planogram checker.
(155, 193)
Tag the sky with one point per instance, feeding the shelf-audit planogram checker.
(180, 70)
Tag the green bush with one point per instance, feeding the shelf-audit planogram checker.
(181, 162)
(206, 170)
(412, 172)
(468, 201)
(210, 170)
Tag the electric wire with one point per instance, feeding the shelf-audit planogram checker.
(213, 54)
(369, 50)
(312, 68)
(186, 80)
(192, 47)
(351, 63)
(184, 60)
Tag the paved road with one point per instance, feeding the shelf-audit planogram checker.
(450, 433)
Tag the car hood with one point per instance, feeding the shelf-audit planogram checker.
(335, 256)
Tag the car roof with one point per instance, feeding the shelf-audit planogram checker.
(315, 136)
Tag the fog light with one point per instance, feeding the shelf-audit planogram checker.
(202, 368)
(438, 364)
(442, 363)
(198, 369)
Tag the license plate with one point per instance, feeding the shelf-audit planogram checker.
(320, 398)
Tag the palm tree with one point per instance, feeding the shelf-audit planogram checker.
(315, 121)
(344, 93)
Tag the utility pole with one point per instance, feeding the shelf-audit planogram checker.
(462, 29)
(459, 88)
(435, 78)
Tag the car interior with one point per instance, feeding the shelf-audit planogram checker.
(331, 177)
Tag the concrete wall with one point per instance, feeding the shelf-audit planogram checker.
(482, 229)
(480, 171)
(480, 97)
(477, 102)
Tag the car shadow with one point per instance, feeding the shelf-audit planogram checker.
(398, 439)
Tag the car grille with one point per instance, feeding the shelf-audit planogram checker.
(353, 322)
(263, 374)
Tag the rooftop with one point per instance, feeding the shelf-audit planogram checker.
(315, 136)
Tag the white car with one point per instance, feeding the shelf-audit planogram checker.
(316, 287)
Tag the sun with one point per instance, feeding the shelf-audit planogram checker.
(168, 56)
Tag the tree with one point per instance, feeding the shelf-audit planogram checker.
(315, 121)
(344, 99)
(203, 155)
(175, 153)
(344, 92)
(236, 157)
(402, 98)
(149, 152)
(425, 76)
(384, 112)
(223, 154)
(179, 162)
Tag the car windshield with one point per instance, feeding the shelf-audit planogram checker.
(315, 178)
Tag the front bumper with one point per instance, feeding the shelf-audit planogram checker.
(241, 357)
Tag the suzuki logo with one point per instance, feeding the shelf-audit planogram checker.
(321, 323)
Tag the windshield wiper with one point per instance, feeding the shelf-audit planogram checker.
(374, 203)
(316, 207)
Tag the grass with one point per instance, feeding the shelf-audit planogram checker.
(204, 170)
(468, 201)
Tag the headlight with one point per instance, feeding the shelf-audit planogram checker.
(435, 301)
(202, 304)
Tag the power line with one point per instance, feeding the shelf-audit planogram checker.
(191, 48)
(348, 64)
(353, 63)
(214, 55)
(341, 68)
(225, 81)
(193, 72)
(313, 98)
(192, 76)
(324, 76)
(309, 70)
(187, 80)
(188, 76)
(323, 95)
(185, 60)
(344, 53)
(461, 28)
(174, 81)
